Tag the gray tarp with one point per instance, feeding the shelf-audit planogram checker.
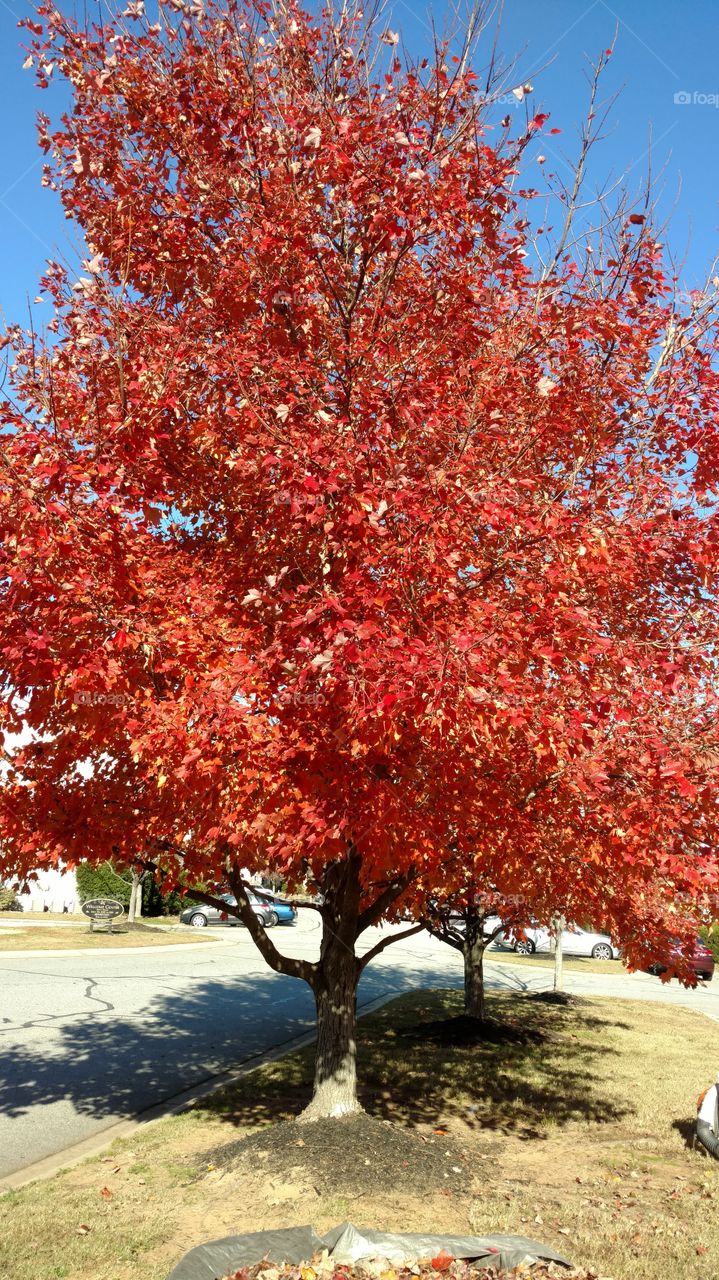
(348, 1244)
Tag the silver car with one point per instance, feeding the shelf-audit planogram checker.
(199, 915)
(575, 942)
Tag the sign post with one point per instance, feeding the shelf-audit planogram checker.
(102, 912)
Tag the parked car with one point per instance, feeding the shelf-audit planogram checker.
(457, 922)
(701, 959)
(575, 942)
(199, 915)
(279, 911)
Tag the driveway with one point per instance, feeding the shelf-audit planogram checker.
(92, 1039)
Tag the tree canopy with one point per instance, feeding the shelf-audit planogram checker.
(340, 525)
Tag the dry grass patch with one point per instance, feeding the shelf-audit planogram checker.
(49, 939)
(569, 1124)
(77, 917)
(16, 916)
(545, 960)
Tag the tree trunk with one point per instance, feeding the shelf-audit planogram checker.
(335, 1085)
(134, 907)
(333, 977)
(334, 984)
(558, 953)
(473, 953)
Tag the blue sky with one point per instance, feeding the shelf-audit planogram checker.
(665, 63)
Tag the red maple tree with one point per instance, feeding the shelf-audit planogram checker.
(339, 532)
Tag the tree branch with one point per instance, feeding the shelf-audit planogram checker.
(386, 942)
(286, 965)
(445, 933)
(289, 966)
(376, 910)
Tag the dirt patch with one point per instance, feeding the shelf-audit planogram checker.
(353, 1156)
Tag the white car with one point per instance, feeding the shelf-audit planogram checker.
(575, 942)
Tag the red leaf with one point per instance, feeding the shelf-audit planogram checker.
(442, 1262)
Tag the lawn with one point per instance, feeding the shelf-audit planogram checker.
(42, 915)
(567, 1123)
(49, 939)
(75, 917)
(545, 959)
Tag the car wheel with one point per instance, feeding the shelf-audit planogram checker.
(602, 951)
(198, 920)
(525, 947)
(271, 919)
(707, 977)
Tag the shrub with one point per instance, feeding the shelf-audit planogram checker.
(9, 900)
(102, 881)
(710, 935)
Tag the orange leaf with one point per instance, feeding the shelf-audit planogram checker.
(442, 1262)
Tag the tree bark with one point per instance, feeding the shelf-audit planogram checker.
(133, 900)
(473, 954)
(134, 906)
(334, 984)
(335, 1083)
(333, 977)
(469, 938)
(559, 923)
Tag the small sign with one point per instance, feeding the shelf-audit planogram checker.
(102, 910)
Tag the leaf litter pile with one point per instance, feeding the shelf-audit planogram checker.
(323, 1267)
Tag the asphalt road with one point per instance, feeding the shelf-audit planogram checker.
(88, 1040)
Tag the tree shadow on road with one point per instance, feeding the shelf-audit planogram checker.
(111, 1066)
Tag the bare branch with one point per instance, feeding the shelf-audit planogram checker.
(386, 942)
(376, 910)
(290, 967)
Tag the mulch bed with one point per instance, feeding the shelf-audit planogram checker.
(357, 1154)
(559, 998)
(464, 1030)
